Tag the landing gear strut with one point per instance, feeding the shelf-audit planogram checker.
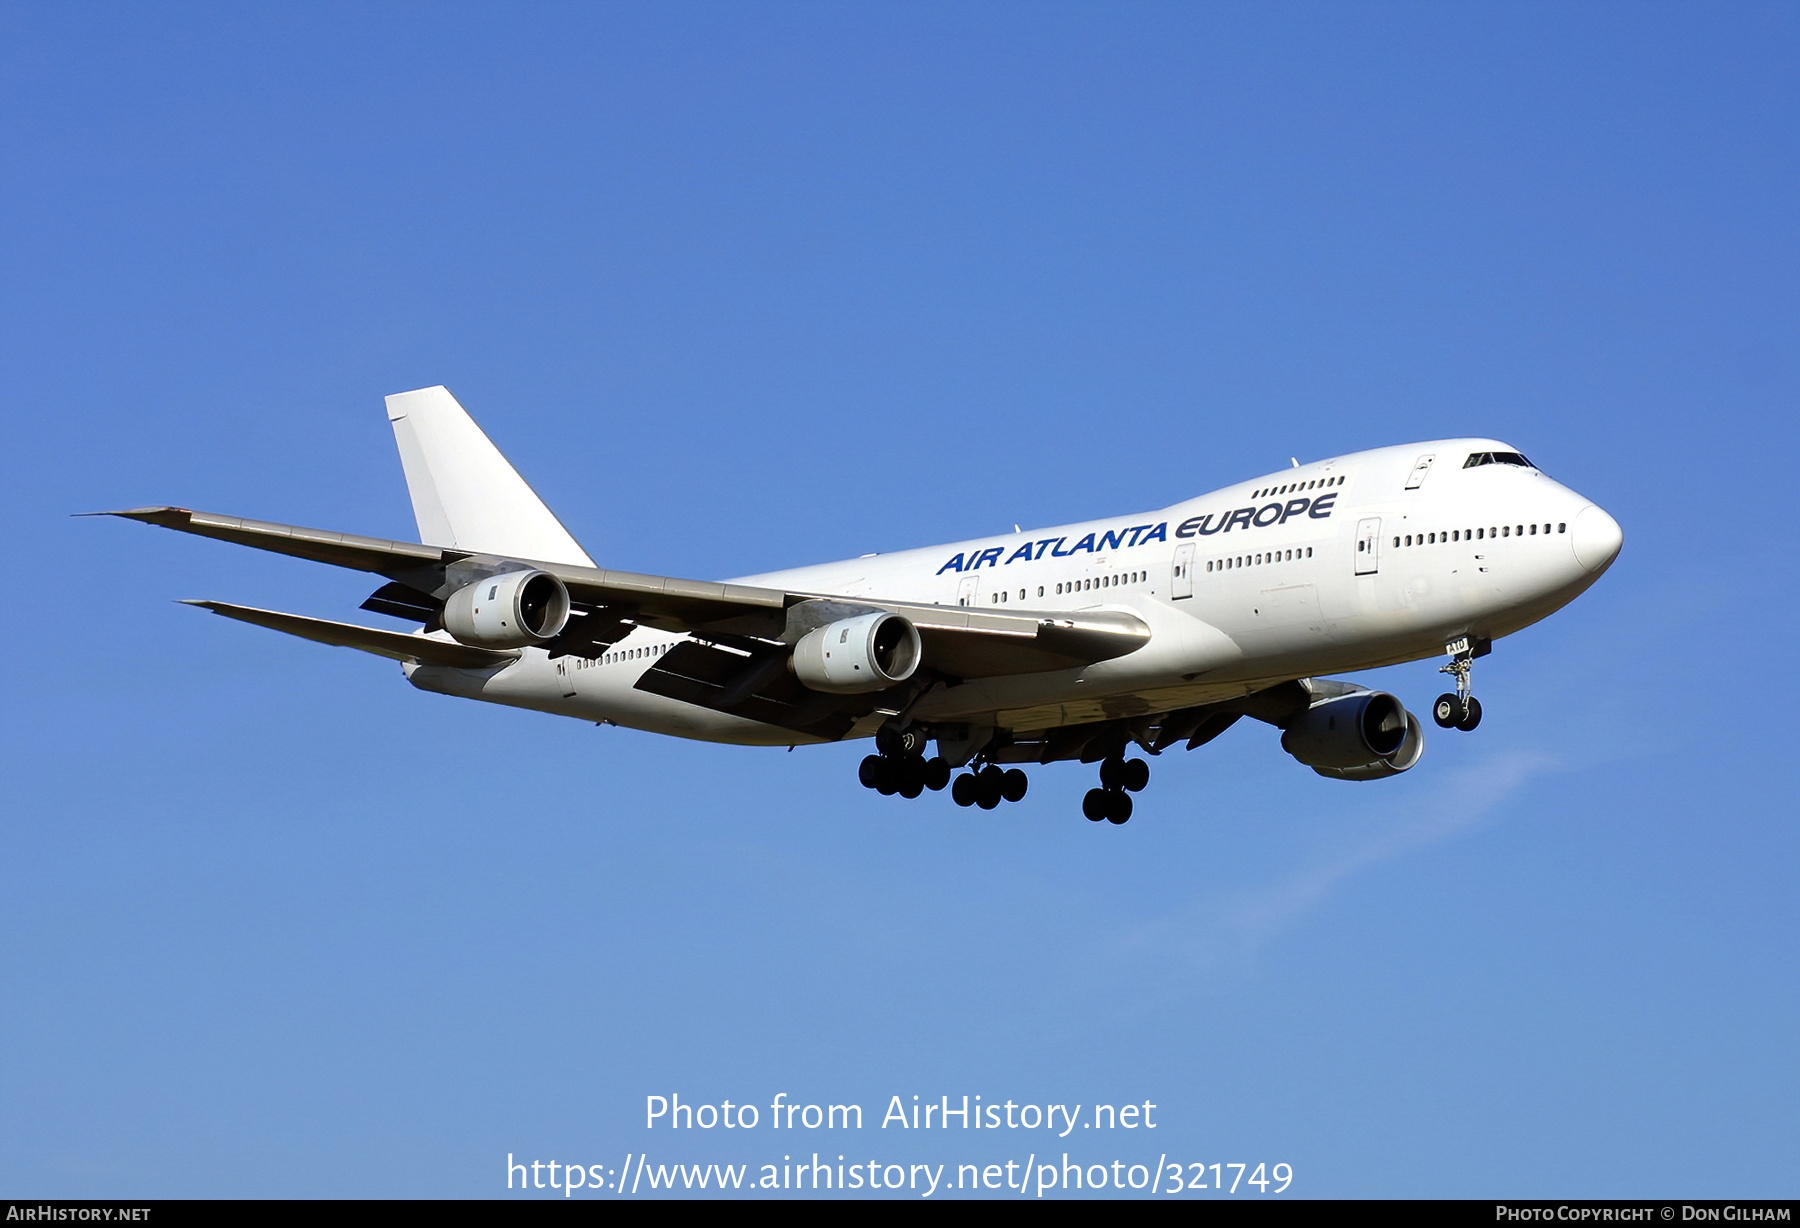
(1461, 710)
(1119, 778)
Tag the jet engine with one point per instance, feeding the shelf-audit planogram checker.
(1362, 736)
(870, 652)
(514, 610)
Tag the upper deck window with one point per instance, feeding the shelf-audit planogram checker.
(1497, 458)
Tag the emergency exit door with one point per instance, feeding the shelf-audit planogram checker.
(1368, 546)
(1181, 582)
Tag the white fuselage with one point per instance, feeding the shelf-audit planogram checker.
(1345, 564)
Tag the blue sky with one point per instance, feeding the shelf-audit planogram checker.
(743, 287)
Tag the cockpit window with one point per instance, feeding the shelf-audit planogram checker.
(1497, 458)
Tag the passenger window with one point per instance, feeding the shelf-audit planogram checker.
(1562, 527)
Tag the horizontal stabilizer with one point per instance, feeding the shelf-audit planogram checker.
(396, 645)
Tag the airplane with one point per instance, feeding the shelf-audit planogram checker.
(1079, 642)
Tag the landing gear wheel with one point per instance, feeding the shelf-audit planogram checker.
(1096, 804)
(963, 791)
(1118, 809)
(1110, 773)
(869, 772)
(912, 776)
(987, 791)
(1134, 775)
(1472, 717)
(1446, 710)
(1013, 784)
(937, 774)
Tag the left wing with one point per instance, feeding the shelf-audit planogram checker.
(959, 642)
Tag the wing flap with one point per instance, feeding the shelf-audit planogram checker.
(757, 687)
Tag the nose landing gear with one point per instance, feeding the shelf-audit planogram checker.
(1460, 710)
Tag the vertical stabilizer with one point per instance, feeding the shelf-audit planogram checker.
(465, 494)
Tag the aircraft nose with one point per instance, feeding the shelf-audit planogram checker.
(1596, 539)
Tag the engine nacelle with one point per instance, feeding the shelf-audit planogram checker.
(870, 652)
(1363, 736)
(515, 610)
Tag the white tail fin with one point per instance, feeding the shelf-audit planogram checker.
(465, 494)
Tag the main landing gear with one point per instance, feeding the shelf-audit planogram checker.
(989, 787)
(902, 767)
(911, 774)
(1119, 779)
(1460, 710)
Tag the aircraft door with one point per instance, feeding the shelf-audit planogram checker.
(1181, 583)
(1420, 470)
(565, 674)
(1368, 546)
(968, 590)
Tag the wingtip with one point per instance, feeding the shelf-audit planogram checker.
(138, 513)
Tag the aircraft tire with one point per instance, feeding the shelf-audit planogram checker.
(1013, 784)
(1472, 717)
(963, 791)
(1446, 710)
(1136, 775)
(869, 773)
(1109, 772)
(1095, 805)
(1119, 807)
